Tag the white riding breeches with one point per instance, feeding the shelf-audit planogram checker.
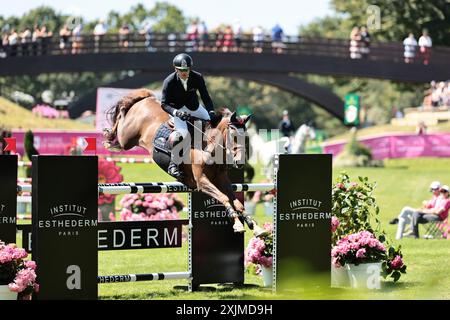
(181, 125)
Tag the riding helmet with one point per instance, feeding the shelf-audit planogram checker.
(183, 61)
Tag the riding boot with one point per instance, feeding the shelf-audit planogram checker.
(174, 169)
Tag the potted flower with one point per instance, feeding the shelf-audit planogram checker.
(150, 207)
(259, 255)
(108, 172)
(362, 254)
(355, 209)
(17, 276)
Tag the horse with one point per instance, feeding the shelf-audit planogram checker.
(138, 117)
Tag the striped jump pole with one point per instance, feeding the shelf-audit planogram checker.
(144, 277)
(161, 187)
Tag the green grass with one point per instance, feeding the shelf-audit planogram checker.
(401, 182)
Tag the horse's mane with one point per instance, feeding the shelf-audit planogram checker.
(127, 102)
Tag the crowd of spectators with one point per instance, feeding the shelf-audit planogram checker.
(226, 38)
(359, 43)
(438, 95)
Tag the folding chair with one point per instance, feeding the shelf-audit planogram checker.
(435, 229)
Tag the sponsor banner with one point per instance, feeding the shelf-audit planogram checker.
(64, 220)
(303, 219)
(125, 235)
(401, 146)
(49, 142)
(140, 234)
(213, 240)
(8, 198)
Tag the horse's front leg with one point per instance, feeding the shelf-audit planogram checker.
(206, 186)
(225, 186)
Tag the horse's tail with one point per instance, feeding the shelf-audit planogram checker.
(124, 104)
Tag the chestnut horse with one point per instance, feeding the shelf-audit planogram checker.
(136, 119)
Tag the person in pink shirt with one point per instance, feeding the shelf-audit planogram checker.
(438, 213)
(406, 214)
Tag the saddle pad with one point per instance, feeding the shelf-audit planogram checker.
(161, 140)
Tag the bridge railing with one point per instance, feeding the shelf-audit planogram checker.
(158, 42)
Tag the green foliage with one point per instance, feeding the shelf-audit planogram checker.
(30, 150)
(354, 205)
(168, 18)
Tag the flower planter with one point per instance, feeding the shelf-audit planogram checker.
(364, 275)
(6, 294)
(267, 274)
(339, 277)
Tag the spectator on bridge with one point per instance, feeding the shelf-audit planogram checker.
(218, 39)
(25, 40)
(64, 37)
(237, 31)
(77, 38)
(258, 39)
(277, 39)
(425, 44)
(99, 33)
(203, 36)
(45, 37)
(147, 31)
(36, 40)
(228, 39)
(410, 44)
(192, 35)
(364, 44)
(124, 36)
(13, 41)
(4, 45)
(355, 39)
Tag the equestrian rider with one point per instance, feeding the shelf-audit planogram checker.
(180, 100)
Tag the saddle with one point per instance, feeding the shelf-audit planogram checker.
(161, 140)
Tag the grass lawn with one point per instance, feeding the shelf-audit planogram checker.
(402, 182)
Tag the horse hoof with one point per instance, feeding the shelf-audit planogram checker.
(238, 228)
(260, 232)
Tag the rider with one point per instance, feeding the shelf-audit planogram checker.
(180, 100)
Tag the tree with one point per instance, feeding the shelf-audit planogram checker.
(169, 19)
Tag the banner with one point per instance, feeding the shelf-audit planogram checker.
(8, 198)
(400, 146)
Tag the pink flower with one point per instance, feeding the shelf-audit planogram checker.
(30, 264)
(334, 223)
(397, 263)
(361, 253)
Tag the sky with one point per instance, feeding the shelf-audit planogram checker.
(290, 14)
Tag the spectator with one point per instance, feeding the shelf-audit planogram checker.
(421, 128)
(124, 34)
(277, 39)
(355, 39)
(228, 39)
(64, 37)
(203, 36)
(99, 33)
(13, 41)
(45, 39)
(4, 45)
(25, 39)
(438, 213)
(425, 44)
(192, 35)
(148, 33)
(406, 214)
(365, 42)
(258, 39)
(36, 41)
(237, 31)
(285, 126)
(218, 39)
(77, 38)
(410, 45)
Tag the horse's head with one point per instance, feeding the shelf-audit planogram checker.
(233, 129)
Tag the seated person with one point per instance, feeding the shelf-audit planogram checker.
(406, 214)
(438, 213)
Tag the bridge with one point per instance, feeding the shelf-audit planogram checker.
(150, 59)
